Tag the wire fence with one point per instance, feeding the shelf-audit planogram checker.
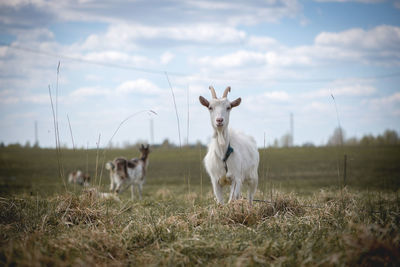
(285, 80)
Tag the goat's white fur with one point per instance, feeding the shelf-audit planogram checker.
(242, 164)
(135, 176)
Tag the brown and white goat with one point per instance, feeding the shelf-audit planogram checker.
(78, 177)
(124, 172)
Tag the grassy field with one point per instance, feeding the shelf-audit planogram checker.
(308, 217)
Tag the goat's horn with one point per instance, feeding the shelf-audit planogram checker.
(227, 90)
(214, 95)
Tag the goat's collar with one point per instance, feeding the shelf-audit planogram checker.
(228, 153)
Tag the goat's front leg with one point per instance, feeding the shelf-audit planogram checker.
(235, 189)
(112, 183)
(217, 190)
(121, 187)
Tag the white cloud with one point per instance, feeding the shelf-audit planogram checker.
(90, 91)
(129, 36)
(342, 90)
(7, 100)
(316, 106)
(377, 46)
(385, 106)
(34, 35)
(380, 37)
(277, 95)
(393, 99)
(243, 58)
(214, 5)
(262, 42)
(270, 102)
(117, 57)
(140, 86)
(93, 77)
(155, 12)
(166, 57)
(237, 59)
(20, 3)
(345, 1)
(9, 97)
(107, 56)
(37, 99)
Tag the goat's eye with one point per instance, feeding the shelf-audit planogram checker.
(210, 108)
(228, 108)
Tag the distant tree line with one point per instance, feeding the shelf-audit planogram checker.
(338, 138)
(388, 137)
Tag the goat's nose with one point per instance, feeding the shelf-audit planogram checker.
(220, 120)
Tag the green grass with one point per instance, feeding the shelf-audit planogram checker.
(309, 219)
(302, 170)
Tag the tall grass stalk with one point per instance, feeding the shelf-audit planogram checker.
(87, 157)
(263, 171)
(60, 172)
(58, 73)
(176, 110)
(177, 118)
(187, 136)
(188, 117)
(57, 128)
(97, 159)
(337, 154)
(341, 138)
(266, 176)
(201, 173)
(70, 131)
(56, 115)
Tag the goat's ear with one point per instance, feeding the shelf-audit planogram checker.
(204, 101)
(236, 102)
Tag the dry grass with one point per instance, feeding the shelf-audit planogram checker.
(176, 223)
(329, 228)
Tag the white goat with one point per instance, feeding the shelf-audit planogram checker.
(232, 157)
(78, 177)
(124, 173)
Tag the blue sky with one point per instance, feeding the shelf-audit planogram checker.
(280, 56)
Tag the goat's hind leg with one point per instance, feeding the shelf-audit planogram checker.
(132, 191)
(252, 188)
(140, 188)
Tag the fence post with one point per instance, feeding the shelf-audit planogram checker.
(344, 169)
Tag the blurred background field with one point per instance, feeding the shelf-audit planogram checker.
(303, 170)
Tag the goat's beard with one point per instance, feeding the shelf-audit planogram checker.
(221, 136)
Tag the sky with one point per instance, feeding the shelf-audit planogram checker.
(114, 70)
